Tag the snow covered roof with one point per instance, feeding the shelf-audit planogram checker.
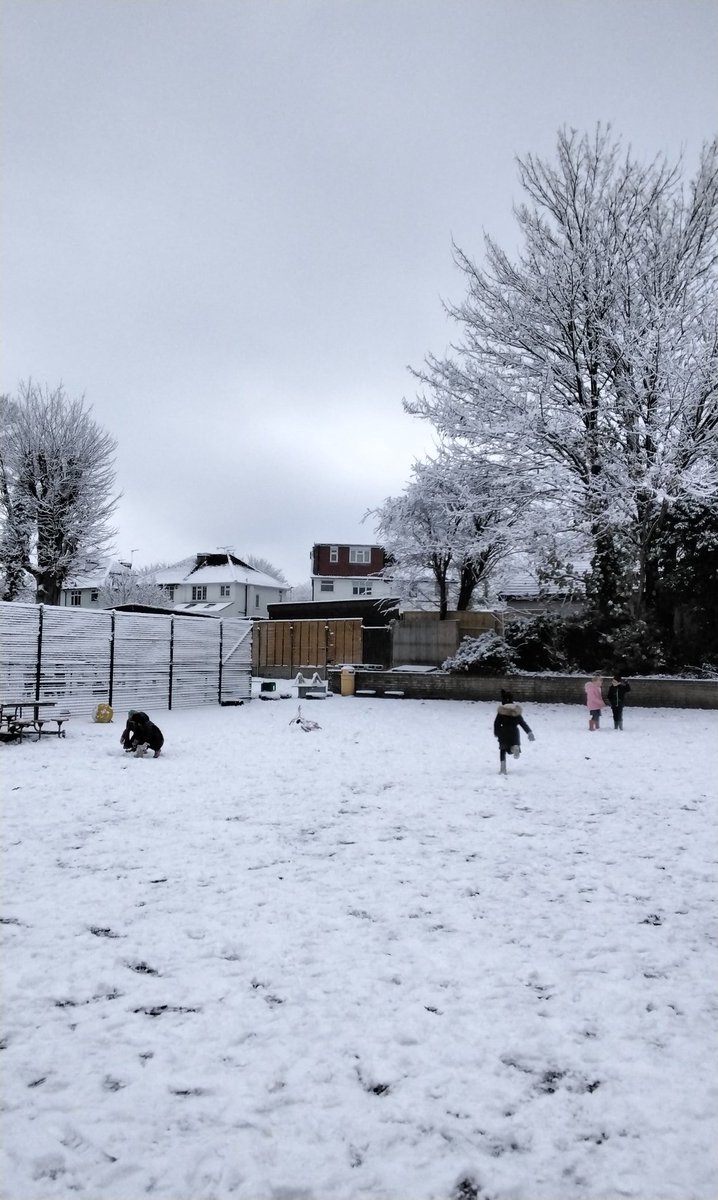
(98, 577)
(524, 586)
(204, 606)
(208, 568)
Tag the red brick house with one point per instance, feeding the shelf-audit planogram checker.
(344, 572)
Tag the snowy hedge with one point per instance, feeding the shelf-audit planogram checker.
(487, 654)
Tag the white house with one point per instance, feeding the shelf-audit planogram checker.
(219, 585)
(344, 572)
(211, 584)
(83, 591)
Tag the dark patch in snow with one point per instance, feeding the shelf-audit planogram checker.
(142, 968)
(101, 931)
(10, 921)
(112, 1085)
(156, 1010)
(195, 1091)
(549, 1080)
(36, 1082)
(69, 1003)
(162, 880)
(467, 1189)
(375, 1089)
(652, 919)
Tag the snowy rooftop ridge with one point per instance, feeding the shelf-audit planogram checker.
(215, 568)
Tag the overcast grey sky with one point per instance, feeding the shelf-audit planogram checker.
(228, 223)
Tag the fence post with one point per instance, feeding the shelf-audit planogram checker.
(38, 668)
(112, 658)
(172, 660)
(221, 640)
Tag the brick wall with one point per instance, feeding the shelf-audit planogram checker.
(553, 689)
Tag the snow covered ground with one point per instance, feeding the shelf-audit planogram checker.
(355, 962)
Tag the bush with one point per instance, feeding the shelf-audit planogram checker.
(538, 642)
(487, 654)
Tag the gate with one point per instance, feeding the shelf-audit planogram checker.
(305, 645)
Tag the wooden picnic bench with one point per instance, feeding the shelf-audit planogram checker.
(14, 724)
(59, 719)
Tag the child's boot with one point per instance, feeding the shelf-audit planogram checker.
(592, 724)
(502, 768)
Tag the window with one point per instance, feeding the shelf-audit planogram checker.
(327, 585)
(225, 589)
(359, 554)
(169, 588)
(76, 597)
(94, 596)
(334, 554)
(256, 599)
(199, 593)
(361, 589)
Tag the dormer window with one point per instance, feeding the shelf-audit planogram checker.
(333, 554)
(360, 554)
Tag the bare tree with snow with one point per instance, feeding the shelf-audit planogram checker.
(454, 520)
(589, 364)
(56, 490)
(265, 566)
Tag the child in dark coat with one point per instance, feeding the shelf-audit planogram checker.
(617, 693)
(128, 737)
(506, 729)
(141, 735)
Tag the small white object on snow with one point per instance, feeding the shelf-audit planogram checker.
(304, 722)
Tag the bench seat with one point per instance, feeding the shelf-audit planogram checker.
(57, 719)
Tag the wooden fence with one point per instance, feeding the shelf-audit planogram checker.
(281, 648)
(422, 639)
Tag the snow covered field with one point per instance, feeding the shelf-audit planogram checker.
(278, 965)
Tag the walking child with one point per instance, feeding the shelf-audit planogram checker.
(506, 728)
(594, 701)
(616, 698)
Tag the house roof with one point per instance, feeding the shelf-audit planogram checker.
(209, 607)
(96, 578)
(216, 568)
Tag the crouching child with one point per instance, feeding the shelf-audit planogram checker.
(506, 728)
(141, 734)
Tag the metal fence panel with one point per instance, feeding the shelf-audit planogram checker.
(141, 675)
(81, 658)
(195, 662)
(236, 660)
(19, 624)
(75, 658)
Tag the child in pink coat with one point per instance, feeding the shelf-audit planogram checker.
(594, 701)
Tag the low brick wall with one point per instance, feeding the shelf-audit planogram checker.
(549, 689)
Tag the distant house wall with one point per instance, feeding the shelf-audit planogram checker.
(343, 571)
(245, 600)
(325, 563)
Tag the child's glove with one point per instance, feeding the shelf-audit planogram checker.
(532, 738)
